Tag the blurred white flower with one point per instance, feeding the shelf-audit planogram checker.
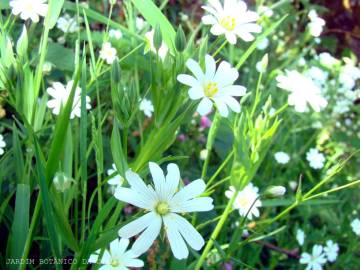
(355, 225)
(331, 250)
(139, 23)
(146, 107)
(232, 20)
(303, 91)
(349, 74)
(163, 203)
(316, 24)
(115, 33)
(163, 50)
(282, 157)
(315, 158)
(213, 86)
(315, 260)
(29, 9)
(246, 200)
(300, 236)
(108, 53)
(2, 144)
(67, 24)
(266, 11)
(60, 95)
(293, 185)
(318, 75)
(263, 44)
(61, 181)
(203, 154)
(117, 180)
(118, 257)
(327, 60)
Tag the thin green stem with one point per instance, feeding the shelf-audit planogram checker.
(221, 167)
(220, 48)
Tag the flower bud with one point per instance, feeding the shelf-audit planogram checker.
(112, 2)
(203, 154)
(115, 71)
(275, 191)
(180, 40)
(61, 181)
(157, 41)
(22, 43)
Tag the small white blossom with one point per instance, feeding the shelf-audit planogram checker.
(315, 158)
(146, 107)
(266, 11)
(233, 19)
(282, 157)
(331, 250)
(60, 95)
(29, 9)
(300, 236)
(2, 144)
(203, 154)
(67, 24)
(139, 23)
(263, 44)
(318, 75)
(355, 225)
(246, 200)
(303, 91)
(163, 50)
(108, 53)
(116, 34)
(215, 85)
(293, 185)
(314, 261)
(164, 203)
(62, 182)
(316, 24)
(117, 180)
(327, 60)
(118, 257)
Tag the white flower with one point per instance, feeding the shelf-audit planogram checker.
(147, 107)
(29, 9)
(116, 34)
(117, 258)
(2, 144)
(318, 75)
(67, 24)
(60, 95)
(303, 91)
(327, 60)
(316, 24)
(232, 20)
(331, 250)
(266, 11)
(213, 85)
(300, 236)
(315, 158)
(139, 23)
(263, 44)
(62, 182)
(164, 204)
(315, 260)
(293, 185)
(355, 225)
(245, 200)
(117, 180)
(282, 157)
(163, 50)
(108, 53)
(203, 154)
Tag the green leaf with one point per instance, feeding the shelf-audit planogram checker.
(4, 4)
(20, 224)
(65, 62)
(55, 7)
(154, 16)
(117, 151)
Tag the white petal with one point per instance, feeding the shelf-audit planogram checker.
(210, 67)
(225, 74)
(233, 90)
(145, 240)
(204, 106)
(177, 243)
(217, 30)
(138, 184)
(172, 178)
(222, 108)
(201, 204)
(246, 36)
(190, 191)
(233, 104)
(195, 69)
(123, 245)
(158, 178)
(196, 93)
(208, 19)
(231, 37)
(130, 196)
(188, 80)
(137, 226)
(190, 234)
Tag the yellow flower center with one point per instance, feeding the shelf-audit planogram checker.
(243, 201)
(29, 7)
(162, 208)
(115, 263)
(210, 89)
(228, 23)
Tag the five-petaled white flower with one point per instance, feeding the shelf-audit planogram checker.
(67, 24)
(232, 20)
(355, 225)
(108, 53)
(213, 85)
(303, 91)
(315, 158)
(117, 258)
(29, 9)
(300, 236)
(115, 33)
(2, 144)
(282, 157)
(116, 180)
(246, 200)
(146, 107)
(315, 260)
(164, 204)
(60, 95)
(331, 250)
